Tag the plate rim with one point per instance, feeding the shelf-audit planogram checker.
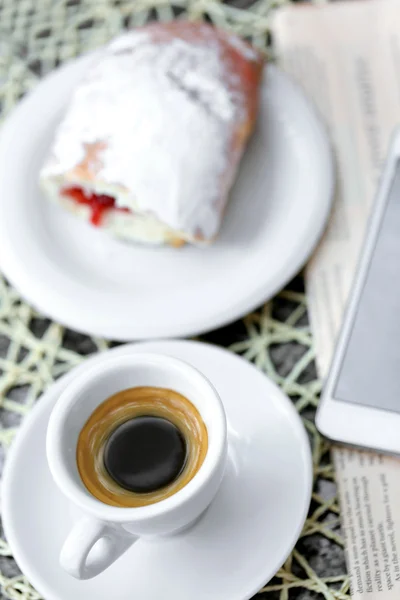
(12, 264)
(47, 398)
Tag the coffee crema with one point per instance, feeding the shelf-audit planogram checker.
(141, 446)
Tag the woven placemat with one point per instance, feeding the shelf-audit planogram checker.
(35, 37)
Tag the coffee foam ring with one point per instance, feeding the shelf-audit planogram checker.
(116, 410)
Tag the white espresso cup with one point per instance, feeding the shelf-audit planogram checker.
(106, 532)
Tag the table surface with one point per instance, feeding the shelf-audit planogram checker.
(36, 37)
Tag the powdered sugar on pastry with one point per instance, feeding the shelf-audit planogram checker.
(153, 125)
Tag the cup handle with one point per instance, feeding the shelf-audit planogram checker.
(79, 557)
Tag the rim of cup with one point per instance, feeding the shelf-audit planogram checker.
(76, 491)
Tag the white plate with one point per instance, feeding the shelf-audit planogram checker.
(240, 542)
(91, 283)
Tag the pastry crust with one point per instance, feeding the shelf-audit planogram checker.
(155, 133)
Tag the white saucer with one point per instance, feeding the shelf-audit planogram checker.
(238, 545)
(94, 284)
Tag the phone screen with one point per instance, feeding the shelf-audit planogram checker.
(370, 369)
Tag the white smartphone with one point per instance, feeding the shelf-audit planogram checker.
(360, 404)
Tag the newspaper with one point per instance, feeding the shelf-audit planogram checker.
(346, 56)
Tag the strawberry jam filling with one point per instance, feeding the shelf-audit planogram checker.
(99, 204)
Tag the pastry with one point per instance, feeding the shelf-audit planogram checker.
(153, 135)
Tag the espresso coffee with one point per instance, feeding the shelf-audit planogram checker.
(145, 454)
(141, 446)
